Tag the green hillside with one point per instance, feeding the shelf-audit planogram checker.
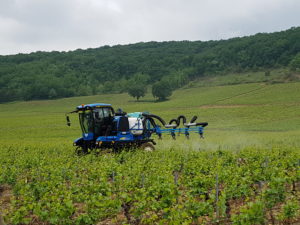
(51, 75)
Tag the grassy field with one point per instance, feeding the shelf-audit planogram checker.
(238, 115)
(247, 122)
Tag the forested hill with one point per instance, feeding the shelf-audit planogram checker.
(46, 75)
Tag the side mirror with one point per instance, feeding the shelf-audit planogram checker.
(68, 121)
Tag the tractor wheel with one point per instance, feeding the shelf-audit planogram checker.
(80, 151)
(148, 147)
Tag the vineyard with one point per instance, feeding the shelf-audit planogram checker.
(251, 186)
(245, 171)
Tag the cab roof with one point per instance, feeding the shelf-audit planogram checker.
(94, 105)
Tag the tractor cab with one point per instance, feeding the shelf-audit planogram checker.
(95, 120)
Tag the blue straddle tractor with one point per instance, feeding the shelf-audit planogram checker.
(104, 128)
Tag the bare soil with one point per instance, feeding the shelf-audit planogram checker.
(5, 199)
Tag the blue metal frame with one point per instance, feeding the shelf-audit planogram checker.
(184, 130)
(129, 137)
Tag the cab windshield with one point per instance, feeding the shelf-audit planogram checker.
(86, 121)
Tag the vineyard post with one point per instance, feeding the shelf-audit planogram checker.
(217, 196)
(266, 162)
(295, 181)
(1, 219)
(175, 174)
(143, 180)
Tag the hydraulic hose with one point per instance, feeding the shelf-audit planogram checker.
(177, 121)
(150, 120)
(194, 119)
(183, 119)
(173, 120)
(154, 116)
(145, 123)
(204, 124)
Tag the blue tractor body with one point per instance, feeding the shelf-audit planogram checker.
(104, 128)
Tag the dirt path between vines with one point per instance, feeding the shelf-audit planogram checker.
(5, 199)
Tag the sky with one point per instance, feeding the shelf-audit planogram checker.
(63, 25)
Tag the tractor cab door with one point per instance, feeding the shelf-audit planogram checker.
(87, 124)
(103, 118)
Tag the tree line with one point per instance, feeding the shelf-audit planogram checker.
(127, 68)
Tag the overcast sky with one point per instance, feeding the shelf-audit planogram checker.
(62, 25)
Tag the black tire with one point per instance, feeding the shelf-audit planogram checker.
(148, 147)
(78, 150)
(81, 151)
